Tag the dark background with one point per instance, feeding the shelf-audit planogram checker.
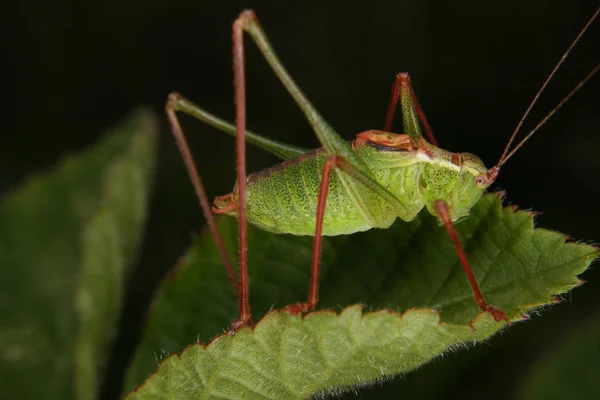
(72, 68)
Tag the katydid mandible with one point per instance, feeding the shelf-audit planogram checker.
(378, 177)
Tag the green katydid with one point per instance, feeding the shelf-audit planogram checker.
(378, 177)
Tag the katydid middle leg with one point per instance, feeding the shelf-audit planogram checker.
(334, 161)
(313, 291)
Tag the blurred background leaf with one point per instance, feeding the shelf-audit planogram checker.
(75, 67)
(571, 365)
(68, 239)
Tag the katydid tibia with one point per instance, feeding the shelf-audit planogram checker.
(378, 177)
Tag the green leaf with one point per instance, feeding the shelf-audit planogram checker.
(68, 238)
(411, 268)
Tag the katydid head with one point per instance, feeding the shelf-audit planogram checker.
(471, 182)
(459, 180)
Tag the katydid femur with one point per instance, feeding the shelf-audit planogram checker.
(378, 177)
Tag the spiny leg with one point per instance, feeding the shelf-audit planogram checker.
(444, 214)
(192, 170)
(402, 89)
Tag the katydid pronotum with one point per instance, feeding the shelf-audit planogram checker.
(378, 177)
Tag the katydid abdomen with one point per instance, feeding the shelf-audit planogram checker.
(283, 198)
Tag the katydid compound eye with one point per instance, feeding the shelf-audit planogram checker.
(480, 180)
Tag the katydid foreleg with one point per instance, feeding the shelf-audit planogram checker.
(444, 214)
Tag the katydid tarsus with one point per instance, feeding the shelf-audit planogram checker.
(377, 177)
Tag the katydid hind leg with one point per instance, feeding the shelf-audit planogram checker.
(331, 141)
(444, 214)
(239, 79)
(277, 148)
(194, 175)
(402, 90)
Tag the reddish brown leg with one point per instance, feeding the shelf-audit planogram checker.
(188, 159)
(402, 83)
(444, 214)
(245, 317)
(333, 161)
